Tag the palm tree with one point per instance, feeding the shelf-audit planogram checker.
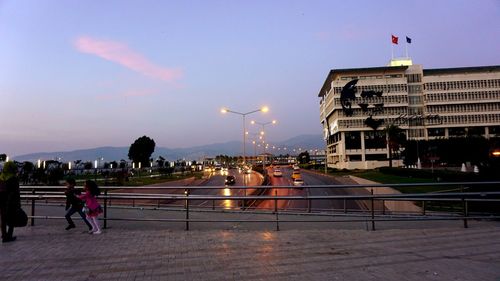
(394, 137)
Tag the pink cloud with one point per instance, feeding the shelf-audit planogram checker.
(120, 53)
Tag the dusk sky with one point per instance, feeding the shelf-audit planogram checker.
(83, 74)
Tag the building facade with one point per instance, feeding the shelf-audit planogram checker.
(357, 104)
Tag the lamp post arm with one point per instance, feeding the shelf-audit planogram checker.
(257, 110)
(235, 112)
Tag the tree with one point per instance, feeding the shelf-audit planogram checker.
(395, 138)
(3, 157)
(26, 171)
(304, 157)
(160, 161)
(87, 165)
(141, 150)
(123, 164)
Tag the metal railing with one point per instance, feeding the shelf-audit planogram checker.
(369, 212)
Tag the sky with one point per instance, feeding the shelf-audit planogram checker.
(84, 74)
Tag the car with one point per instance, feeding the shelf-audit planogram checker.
(296, 168)
(298, 182)
(230, 180)
(277, 173)
(296, 174)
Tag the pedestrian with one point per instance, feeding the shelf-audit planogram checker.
(74, 204)
(10, 200)
(93, 207)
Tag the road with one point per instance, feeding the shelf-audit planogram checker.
(217, 178)
(311, 178)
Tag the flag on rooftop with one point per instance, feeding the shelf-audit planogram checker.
(408, 40)
(394, 39)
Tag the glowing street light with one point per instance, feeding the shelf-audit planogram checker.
(263, 140)
(226, 110)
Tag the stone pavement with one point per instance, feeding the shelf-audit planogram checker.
(164, 251)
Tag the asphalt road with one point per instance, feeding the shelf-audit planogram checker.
(217, 178)
(311, 178)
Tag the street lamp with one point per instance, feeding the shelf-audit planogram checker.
(226, 110)
(263, 140)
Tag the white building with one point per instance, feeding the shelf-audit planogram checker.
(425, 103)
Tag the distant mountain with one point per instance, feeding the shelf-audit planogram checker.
(191, 153)
(305, 142)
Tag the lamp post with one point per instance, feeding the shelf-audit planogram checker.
(264, 109)
(254, 142)
(226, 110)
(263, 133)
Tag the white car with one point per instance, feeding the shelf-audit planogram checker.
(298, 182)
(277, 173)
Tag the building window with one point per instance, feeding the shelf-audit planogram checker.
(374, 140)
(456, 132)
(376, 157)
(475, 131)
(414, 78)
(494, 130)
(437, 132)
(354, 158)
(353, 140)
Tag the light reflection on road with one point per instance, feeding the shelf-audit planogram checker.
(227, 204)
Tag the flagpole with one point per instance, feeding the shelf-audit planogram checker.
(406, 47)
(392, 50)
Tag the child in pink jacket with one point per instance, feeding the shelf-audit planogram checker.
(93, 207)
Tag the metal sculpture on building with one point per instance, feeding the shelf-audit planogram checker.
(347, 96)
(369, 106)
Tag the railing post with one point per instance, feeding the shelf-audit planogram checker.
(423, 208)
(383, 207)
(276, 210)
(309, 202)
(373, 211)
(465, 209)
(213, 205)
(275, 201)
(345, 206)
(33, 208)
(186, 192)
(105, 208)
(244, 202)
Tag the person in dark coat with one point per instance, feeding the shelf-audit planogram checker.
(74, 204)
(10, 200)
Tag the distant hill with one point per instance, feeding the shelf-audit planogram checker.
(110, 153)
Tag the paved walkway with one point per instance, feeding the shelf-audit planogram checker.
(154, 251)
